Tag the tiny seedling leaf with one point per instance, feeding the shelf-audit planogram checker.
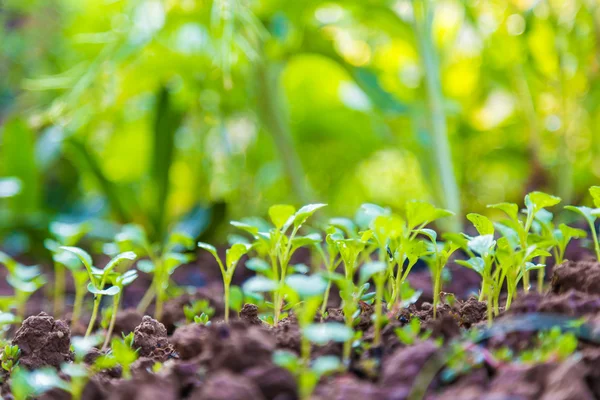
(420, 212)
(306, 286)
(146, 266)
(111, 291)
(302, 215)
(258, 284)
(124, 259)
(482, 245)
(280, 214)
(476, 264)
(511, 209)
(326, 365)
(234, 253)
(258, 265)
(482, 223)
(369, 269)
(85, 258)
(324, 333)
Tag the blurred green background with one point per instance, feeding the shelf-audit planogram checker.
(189, 113)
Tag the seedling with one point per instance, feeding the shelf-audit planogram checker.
(161, 263)
(198, 308)
(98, 278)
(64, 235)
(279, 245)
(120, 281)
(305, 293)
(411, 332)
(121, 353)
(483, 249)
(232, 258)
(440, 253)
(25, 280)
(10, 357)
(517, 230)
(590, 215)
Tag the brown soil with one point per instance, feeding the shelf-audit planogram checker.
(235, 361)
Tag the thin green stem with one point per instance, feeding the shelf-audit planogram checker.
(148, 297)
(97, 300)
(113, 319)
(441, 147)
(226, 284)
(59, 289)
(541, 275)
(77, 305)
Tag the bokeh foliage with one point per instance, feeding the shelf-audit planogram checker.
(157, 110)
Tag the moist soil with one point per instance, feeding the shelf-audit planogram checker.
(235, 361)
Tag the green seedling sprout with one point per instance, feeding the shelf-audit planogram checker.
(10, 357)
(25, 280)
(120, 281)
(482, 261)
(198, 308)
(330, 260)
(65, 234)
(534, 203)
(590, 215)
(411, 332)
(232, 258)
(162, 261)
(280, 242)
(121, 353)
(439, 255)
(305, 293)
(563, 235)
(98, 278)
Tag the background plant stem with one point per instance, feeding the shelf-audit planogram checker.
(450, 195)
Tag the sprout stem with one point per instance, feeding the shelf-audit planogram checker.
(113, 319)
(59, 289)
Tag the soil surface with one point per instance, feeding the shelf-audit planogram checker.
(235, 361)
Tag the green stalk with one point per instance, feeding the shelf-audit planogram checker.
(113, 319)
(441, 146)
(272, 115)
(59, 289)
(226, 284)
(541, 275)
(436, 291)
(147, 298)
(90, 327)
(77, 305)
(378, 307)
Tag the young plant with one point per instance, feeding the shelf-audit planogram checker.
(517, 229)
(98, 278)
(590, 215)
(119, 280)
(10, 357)
(64, 235)
(198, 308)
(305, 294)
(280, 242)
(25, 280)
(483, 250)
(411, 332)
(232, 258)
(121, 353)
(162, 261)
(439, 255)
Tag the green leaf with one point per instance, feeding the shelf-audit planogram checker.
(344, 224)
(302, 215)
(430, 233)
(482, 245)
(306, 286)
(121, 260)
(258, 265)
(111, 291)
(325, 365)
(588, 213)
(511, 209)
(386, 228)
(146, 266)
(127, 278)
(483, 224)
(132, 235)
(280, 214)
(567, 233)
(535, 201)
(307, 241)
(286, 359)
(414, 250)
(236, 298)
(324, 333)
(258, 284)
(595, 192)
(234, 253)
(85, 258)
(251, 229)
(369, 269)
(476, 264)
(420, 212)
(83, 345)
